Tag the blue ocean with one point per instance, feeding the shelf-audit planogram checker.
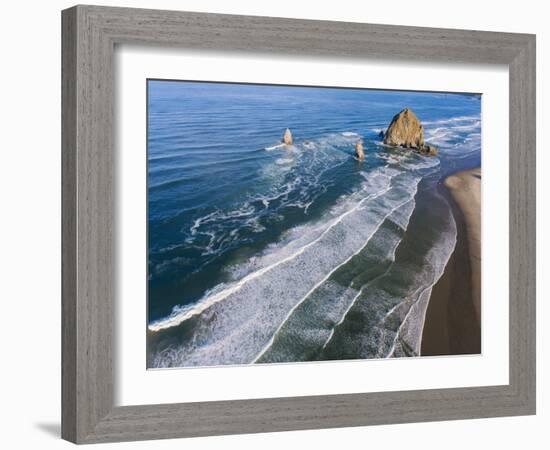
(261, 252)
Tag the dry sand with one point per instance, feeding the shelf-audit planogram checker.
(465, 188)
(453, 318)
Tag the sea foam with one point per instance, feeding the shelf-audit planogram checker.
(230, 326)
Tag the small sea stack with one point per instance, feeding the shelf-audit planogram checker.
(428, 150)
(287, 138)
(405, 130)
(359, 151)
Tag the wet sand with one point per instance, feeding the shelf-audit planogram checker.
(453, 318)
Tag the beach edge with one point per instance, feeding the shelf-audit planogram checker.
(452, 322)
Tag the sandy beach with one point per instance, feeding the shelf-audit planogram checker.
(453, 318)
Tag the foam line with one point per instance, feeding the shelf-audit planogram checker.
(430, 287)
(270, 342)
(452, 120)
(274, 147)
(186, 314)
(404, 321)
(361, 291)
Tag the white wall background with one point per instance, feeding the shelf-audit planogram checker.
(30, 236)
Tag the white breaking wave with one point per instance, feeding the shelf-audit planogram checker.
(270, 342)
(274, 147)
(412, 325)
(292, 240)
(282, 161)
(292, 180)
(452, 120)
(232, 326)
(238, 322)
(189, 311)
(358, 294)
(311, 328)
(461, 129)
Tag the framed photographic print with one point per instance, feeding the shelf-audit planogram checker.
(278, 224)
(325, 248)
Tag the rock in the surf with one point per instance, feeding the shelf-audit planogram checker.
(287, 138)
(406, 131)
(428, 150)
(359, 151)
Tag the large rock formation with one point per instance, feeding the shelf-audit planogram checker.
(287, 138)
(359, 151)
(405, 130)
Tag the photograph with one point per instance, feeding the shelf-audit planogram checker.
(265, 225)
(293, 224)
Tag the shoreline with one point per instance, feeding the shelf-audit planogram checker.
(452, 320)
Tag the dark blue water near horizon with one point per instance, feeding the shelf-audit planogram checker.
(235, 218)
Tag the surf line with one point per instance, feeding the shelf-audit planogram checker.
(216, 298)
(426, 288)
(270, 342)
(409, 312)
(354, 300)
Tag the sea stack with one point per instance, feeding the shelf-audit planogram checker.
(428, 150)
(359, 151)
(287, 138)
(406, 131)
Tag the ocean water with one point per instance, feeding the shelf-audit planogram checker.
(260, 252)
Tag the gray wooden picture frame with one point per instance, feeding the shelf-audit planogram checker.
(90, 34)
